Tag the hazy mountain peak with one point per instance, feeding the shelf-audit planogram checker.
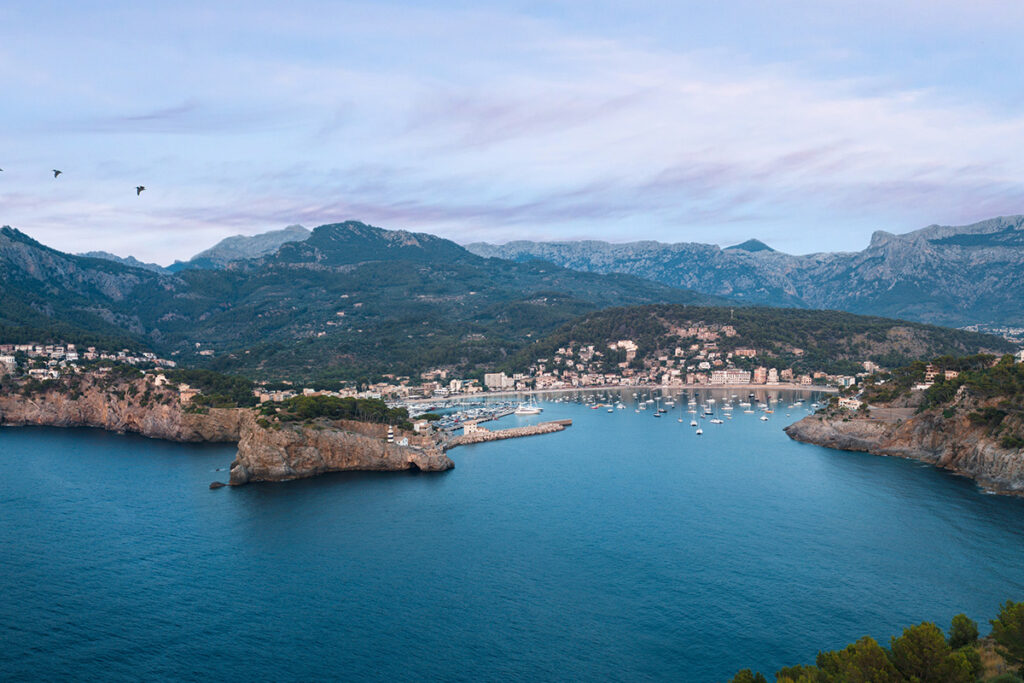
(253, 246)
(752, 245)
(126, 260)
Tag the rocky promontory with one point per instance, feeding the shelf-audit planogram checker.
(117, 411)
(952, 442)
(298, 451)
(277, 451)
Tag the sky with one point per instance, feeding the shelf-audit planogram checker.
(808, 125)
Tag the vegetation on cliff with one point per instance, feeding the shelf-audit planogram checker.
(218, 390)
(306, 408)
(920, 654)
(989, 387)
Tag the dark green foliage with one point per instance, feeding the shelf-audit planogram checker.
(862, 662)
(987, 416)
(748, 676)
(963, 631)
(1012, 441)
(972, 657)
(302, 408)
(218, 391)
(1006, 678)
(1008, 631)
(801, 674)
(832, 341)
(922, 654)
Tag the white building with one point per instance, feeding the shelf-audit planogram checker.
(730, 376)
(498, 380)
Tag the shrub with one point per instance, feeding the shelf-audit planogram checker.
(963, 631)
(1008, 631)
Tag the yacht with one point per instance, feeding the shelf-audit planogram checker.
(527, 409)
(699, 431)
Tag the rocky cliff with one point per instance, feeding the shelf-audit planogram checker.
(120, 413)
(953, 443)
(291, 451)
(298, 451)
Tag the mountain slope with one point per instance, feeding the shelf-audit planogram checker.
(348, 301)
(805, 340)
(939, 274)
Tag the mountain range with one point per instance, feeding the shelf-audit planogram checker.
(349, 300)
(945, 275)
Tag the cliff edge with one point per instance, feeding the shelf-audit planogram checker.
(954, 443)
(298, 451)
(284, 451)
(118, 412)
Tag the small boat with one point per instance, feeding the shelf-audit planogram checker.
(679, 420)
(693, 423)
(699, 432)
(657, 415)
(764, 418)
(716, 421)
(611, 410)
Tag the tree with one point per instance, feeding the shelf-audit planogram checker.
(800, 674)
(922, 654)
(1008, 631)
(963, 631)
(748, 676)
(862, 662)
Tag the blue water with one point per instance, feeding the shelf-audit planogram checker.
(624, 548)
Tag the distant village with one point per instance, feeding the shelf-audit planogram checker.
(50, 361)
(573, 366)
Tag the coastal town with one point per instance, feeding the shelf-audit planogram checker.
(707, 355)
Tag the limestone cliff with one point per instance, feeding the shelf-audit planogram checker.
(115, 411)
(953, 443)
(297, 451)
(287, 451)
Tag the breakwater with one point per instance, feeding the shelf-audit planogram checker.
(512, 433)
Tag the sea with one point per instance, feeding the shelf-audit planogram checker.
(624, 548)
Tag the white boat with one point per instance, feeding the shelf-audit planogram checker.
(716, 421)
(764, 418)
(526, 409)
(699, 432)
(693, 423)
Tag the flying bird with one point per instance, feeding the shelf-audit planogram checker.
(56, 173)
(139, 189)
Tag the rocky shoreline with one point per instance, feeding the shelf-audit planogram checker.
(952, 443)
(293, 451)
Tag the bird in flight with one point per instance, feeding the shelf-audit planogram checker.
(56, 173)
(139, 189)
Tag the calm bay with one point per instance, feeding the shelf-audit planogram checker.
(623, 548)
